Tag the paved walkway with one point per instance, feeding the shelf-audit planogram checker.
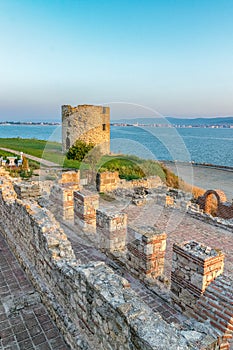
(86, 252)
(182, 227)
(36, 159)
(24, 321)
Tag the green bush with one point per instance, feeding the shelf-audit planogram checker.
(79, 150)
(127, 169)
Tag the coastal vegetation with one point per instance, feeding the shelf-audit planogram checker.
(129, 166)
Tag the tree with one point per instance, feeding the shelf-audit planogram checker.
(92, 159)
(25, 165)
(79, 150)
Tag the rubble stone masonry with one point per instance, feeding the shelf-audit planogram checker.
(85, 205)
(88, 123)
(146, 251)
(111, 230)
(93, 307)
(62, 195)
(109, 181)
(194, 267)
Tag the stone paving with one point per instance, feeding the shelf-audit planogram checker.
(181, 227)
(87, 252)
(24, 321)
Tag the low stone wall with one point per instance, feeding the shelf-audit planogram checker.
(197, 213)
(93, 307)
(215, 307)
(194, 267)
(110, 181)
(27, 190)
(201, 291)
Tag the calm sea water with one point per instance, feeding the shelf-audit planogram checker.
(200, 145)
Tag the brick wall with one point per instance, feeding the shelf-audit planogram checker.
(194, 267)
(146, 250)
(109, 181)
(216, 307)
(62, 195)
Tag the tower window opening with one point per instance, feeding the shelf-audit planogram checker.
(104, 127)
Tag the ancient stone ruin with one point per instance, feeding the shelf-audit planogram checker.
(88, 123)
(224, 209)
(103, 280)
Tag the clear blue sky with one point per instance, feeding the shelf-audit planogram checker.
(173, 56)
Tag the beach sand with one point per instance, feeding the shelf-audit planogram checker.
(206, 177)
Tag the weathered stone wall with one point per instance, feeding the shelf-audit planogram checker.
(70, 177)
(87, 123)
(199, 288)
(109, 181)
(194, 267)
(111, 230)
(85, 205)
(62, 195)
(93, 307)
(215, 307)
(146, 252)
(27, 190)
(224, 209)
(195, 211)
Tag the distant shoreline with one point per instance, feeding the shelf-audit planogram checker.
(203, 165)
(30, 123)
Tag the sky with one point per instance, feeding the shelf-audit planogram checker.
(174, 57)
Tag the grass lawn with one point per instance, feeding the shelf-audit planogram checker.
(129, 167)
(39, 148)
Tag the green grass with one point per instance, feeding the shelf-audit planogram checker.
(39, 148)
(129, 167)
(5, 154)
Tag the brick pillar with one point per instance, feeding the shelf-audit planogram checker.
(70, 178)
(194, 267)
(146, 251)
(62, 201)
(111, 230)
(107, 181)
(85, 205)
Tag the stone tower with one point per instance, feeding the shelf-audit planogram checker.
(87, 123)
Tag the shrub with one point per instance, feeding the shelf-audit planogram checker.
(79, 150)
(172, 180)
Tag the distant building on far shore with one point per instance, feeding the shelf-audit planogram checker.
(87, 123)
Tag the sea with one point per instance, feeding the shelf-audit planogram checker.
(198, 145)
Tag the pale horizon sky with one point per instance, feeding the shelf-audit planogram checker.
(174, 57)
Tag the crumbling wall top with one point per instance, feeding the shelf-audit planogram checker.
(198, 250)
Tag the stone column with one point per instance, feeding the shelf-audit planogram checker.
(194, 267)
(62, 201)
(146, 251)
(111, 230)
(107, 181)
(85, 205)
